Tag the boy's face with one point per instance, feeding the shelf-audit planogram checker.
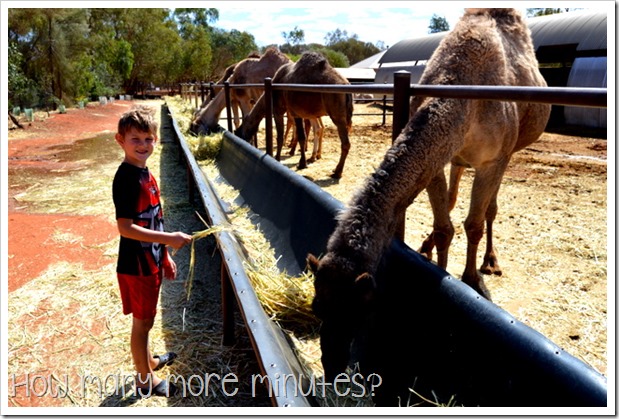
(137, 145)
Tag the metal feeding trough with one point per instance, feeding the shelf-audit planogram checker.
(431, 333)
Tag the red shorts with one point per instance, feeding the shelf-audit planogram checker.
(140, 294)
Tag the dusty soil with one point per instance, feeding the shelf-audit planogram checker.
(36, 148)
(551, 231)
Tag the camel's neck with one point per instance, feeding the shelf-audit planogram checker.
(426, 145)
(251, 121)
(212, 111)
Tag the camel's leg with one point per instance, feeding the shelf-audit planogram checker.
(235, 113)
(319, 130)
(245, 110)
(342, 131)
(443, 230)
(490, 265)
(279, 129)
(455, 174)
(301, 140)
(307, 125)
(485, 189)
(315, 129)
(293, 140)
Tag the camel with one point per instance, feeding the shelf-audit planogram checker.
(312, 68)
(227, 73)
(249, 70)
(486, 47)
(211, 94)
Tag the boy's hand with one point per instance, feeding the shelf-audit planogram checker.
(169, 268)
(178, 240)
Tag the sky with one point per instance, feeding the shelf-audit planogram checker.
(372, 21)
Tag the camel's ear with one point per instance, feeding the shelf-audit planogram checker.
(312, 262)
(365, 288)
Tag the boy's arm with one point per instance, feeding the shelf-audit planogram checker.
(128, 229)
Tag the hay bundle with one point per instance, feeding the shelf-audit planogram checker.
(285, 299)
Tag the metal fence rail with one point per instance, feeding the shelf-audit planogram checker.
(273, 352)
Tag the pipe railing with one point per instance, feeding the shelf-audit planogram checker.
(402, 90)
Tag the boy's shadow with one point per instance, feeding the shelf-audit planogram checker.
(123, 397)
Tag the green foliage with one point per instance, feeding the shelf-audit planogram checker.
(438, 24)
(18, 83)
(228, 48)
(350, 46)
(62, 55)
(335, 58)
(544, 12)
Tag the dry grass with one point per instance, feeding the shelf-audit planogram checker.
(286, 299)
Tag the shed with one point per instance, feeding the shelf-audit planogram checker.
(562, 42)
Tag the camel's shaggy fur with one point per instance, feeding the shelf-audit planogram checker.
(487, 47)
(247, 71)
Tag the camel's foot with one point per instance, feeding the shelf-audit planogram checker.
(491, 266)
(427, 247)
(336, 175)
(301, 166)
(477, 283)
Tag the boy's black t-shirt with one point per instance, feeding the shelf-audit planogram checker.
(136, 197)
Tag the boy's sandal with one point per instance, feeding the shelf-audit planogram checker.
(165, 359)
(163, 389)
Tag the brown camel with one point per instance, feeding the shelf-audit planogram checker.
(249, 70)
(312, 68)
(227, 73)
(487, 47)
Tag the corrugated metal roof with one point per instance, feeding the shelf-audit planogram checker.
(585, 28)
(370, 62)
(412, 49)
(587, 72)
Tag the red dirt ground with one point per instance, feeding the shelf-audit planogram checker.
(28, 233)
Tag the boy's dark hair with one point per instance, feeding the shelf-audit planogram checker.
(141, 117)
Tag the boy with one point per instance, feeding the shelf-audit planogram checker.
(142, 257)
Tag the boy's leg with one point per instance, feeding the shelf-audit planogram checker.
(142, 357)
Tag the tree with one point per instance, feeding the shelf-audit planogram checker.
(18, 82)
(438, 24)
(53, 43)
(351, 47)
(293, 39)
(189, 18)
(229, 48)
(543, 12)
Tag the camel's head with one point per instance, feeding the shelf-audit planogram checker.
(197, 127)
(342, 301)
